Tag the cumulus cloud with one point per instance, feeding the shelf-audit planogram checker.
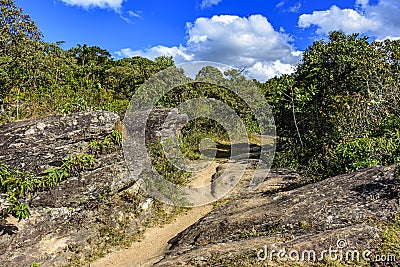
(113, 4)
(386, 14)
(348, 20)
(209, 3)
(236, 41)
(380, 20)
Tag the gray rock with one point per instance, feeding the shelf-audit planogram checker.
(85, 214)
(313, 217)
(38, 144)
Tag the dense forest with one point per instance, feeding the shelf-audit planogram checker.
(338, 112)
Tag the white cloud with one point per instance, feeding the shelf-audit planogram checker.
(280, 4)
(236, 41)
(347, 20)
(135, 14)
(209, 3)
(113, 4)
(380, 20)
(130, 14)
(295, 8)
(386, 14)
(260, 70)
(180, 54)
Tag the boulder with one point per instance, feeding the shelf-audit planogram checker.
(85, 214)
(342, 212)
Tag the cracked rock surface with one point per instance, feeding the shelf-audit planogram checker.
(84, 214)
(313, 217)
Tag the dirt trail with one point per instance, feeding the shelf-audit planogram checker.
(154, 244)
(155, 240)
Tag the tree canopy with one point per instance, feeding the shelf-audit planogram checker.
(342, 97)
(20, 42)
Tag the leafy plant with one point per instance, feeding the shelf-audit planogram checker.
(109, 143)
(164, 167)
(16, 208)
(19, 185)
(16, 185)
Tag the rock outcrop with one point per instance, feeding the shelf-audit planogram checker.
(102, 205)
(343, 212)
(84, 214)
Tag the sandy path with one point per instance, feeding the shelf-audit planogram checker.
(204, 176)
(155, 240)
(154, 244)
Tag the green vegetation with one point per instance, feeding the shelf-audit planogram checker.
(165, 167)
(391, 238)
(19, 185)
(197, 130)
(106, 145)
(72, 165)
(339, 111)
(39, 78)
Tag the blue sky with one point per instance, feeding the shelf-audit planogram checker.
(266, 36)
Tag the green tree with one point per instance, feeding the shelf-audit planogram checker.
(20, 46)
(128, 74)
(343, 90)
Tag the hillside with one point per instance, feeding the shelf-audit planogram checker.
(94, 150)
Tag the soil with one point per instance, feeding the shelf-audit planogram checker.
(154, 244)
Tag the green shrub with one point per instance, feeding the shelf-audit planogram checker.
(365, 152)
(164, 167)
(19, 185)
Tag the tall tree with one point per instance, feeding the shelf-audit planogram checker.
(20, 46)
(344, 93)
